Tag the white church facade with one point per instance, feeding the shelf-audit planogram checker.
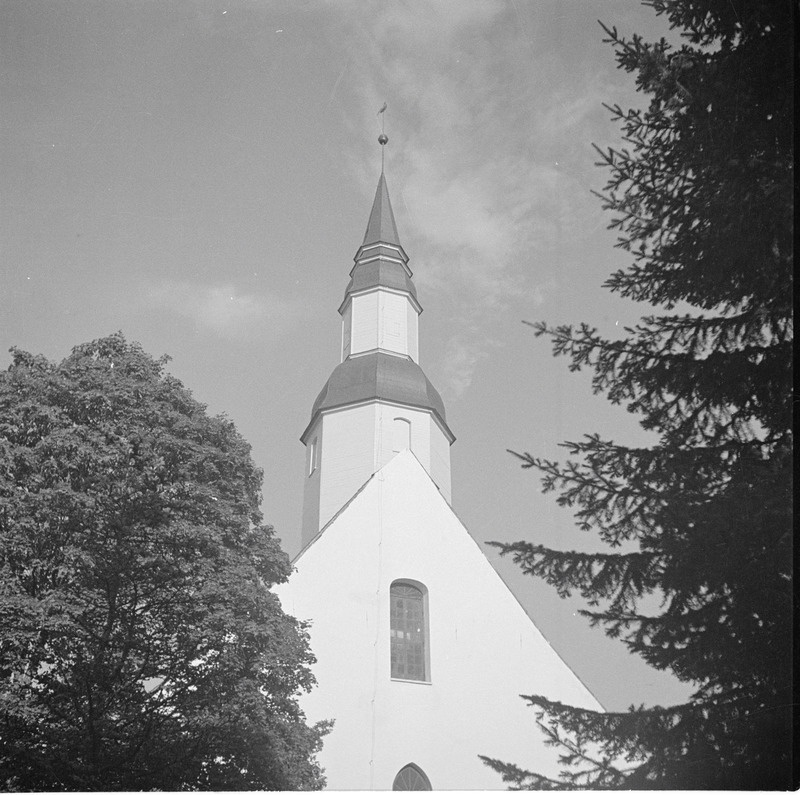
(422, 650)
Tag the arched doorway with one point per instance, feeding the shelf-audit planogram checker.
(411, 778)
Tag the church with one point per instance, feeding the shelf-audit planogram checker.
(422, 650)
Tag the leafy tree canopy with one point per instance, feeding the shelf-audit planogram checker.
(701, 194)
(140, 646)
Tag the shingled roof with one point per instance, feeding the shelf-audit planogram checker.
(380, 260)
(379, 376)
(384, 273)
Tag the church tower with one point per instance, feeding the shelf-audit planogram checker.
(422, 651)
(378, 401)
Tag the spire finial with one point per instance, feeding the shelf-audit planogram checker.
(383, 139)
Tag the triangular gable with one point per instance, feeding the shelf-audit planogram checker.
(484, 648)
(405, 466)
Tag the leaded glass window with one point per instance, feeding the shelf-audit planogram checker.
(407, 626)
(411, 778)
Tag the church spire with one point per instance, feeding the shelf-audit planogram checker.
(381, 227)
(380, 260)
(378, 401)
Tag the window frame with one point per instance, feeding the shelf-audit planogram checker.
(397, 423)
(426, 646)
(313, 454)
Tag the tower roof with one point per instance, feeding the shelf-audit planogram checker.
(379, 376)
(381, 227)
(380, 260)
(379, 272)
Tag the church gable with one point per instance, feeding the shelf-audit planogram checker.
(472, 649)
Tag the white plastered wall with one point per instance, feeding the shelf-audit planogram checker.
(356, 441)
(313, 484)
(393, 331)
(428, 443)
(364, 321)
(484, 649)
(347, 457)
(382, 320)
(439, 464)
(347, 330)
(412, 322)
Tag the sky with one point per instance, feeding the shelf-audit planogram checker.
(199, 174)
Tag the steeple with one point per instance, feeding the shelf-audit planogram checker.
(381, 227)
(378, 401)
(380, 260)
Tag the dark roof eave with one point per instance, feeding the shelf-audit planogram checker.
(331, 409)
(383, 250)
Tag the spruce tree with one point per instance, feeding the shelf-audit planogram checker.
(699, 522)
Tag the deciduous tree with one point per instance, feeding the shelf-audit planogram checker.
(140, 646)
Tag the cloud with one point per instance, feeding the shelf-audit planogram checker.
(439, 21)
(489, 155)
(463, 354)
(221, 309)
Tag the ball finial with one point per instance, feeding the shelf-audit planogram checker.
(383, 139)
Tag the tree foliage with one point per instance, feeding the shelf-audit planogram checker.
(140, 646)
(701, 194)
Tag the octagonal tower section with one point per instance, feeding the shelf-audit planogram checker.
(378, 401)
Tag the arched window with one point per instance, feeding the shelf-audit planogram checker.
(313, 454)
(411, 778)
(401, 434)
(408, 625)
